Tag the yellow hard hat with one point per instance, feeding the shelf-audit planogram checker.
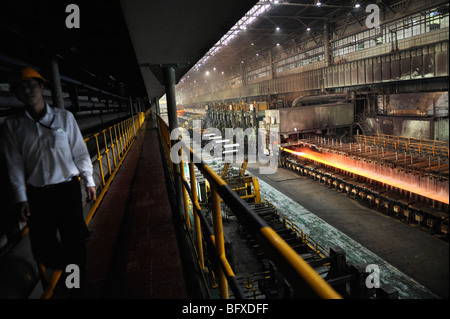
(23, 74)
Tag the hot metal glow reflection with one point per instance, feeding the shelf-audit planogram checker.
(340, 164)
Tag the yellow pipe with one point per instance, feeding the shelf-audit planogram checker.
(301, 267)
(219, 240)
(197, 224)
(225, 170)
(227, 267)
(256, 189)
(48, 292)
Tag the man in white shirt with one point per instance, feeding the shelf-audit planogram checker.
(45, 154)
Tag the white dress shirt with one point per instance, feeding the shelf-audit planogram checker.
(46, 152)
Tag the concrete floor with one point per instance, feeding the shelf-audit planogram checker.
(413, 261)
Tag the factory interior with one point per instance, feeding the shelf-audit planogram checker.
(244, 149)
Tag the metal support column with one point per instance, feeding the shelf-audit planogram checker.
(57, 96)
(169, 83)
(326, 44)
(219, 241)
(158, 108)
(74, 98)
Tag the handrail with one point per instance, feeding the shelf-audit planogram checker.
(211, 243)
(300, 274)
(406, 144)
(121, 142)
(306, 238)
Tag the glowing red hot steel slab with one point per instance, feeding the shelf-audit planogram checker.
(420, 185)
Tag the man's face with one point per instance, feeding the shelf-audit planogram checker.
(29, 92)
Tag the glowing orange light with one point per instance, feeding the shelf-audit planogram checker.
(341, 164)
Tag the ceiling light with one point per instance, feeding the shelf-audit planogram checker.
(357, 5)
(278, 28)
(308, 29)
(318, 3)
(260, 8)
(278, 44)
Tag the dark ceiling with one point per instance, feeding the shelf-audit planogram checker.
(177, 32)
(285, 21)
(122, 44)
(34, 31)
(101, 52)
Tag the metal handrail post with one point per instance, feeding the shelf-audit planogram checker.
(112, 146)
(184, 191)
(107, 151)
(132, 116)
(99, 159)
(219, 240)
(197, 226)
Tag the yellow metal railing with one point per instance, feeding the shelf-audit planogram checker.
(115, 140)
(407, 144)
(302, 277)
(306, 238)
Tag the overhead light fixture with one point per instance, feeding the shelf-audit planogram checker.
(277, 28)
(278, 44)
(357, 5)
(318, 3)
(258, 9)
(308, 29)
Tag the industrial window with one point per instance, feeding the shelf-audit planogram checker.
(407, 27)
(300, 59)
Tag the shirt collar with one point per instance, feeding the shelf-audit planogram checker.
(48, 111)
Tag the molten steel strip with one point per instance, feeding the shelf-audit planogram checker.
(345, 164)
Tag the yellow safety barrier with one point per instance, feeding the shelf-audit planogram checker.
(118, 144)
(306, 238)
(300, 274)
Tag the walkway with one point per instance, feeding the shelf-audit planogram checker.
(133, 250)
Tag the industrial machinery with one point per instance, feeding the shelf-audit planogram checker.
(257, 276)
(407, 182)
